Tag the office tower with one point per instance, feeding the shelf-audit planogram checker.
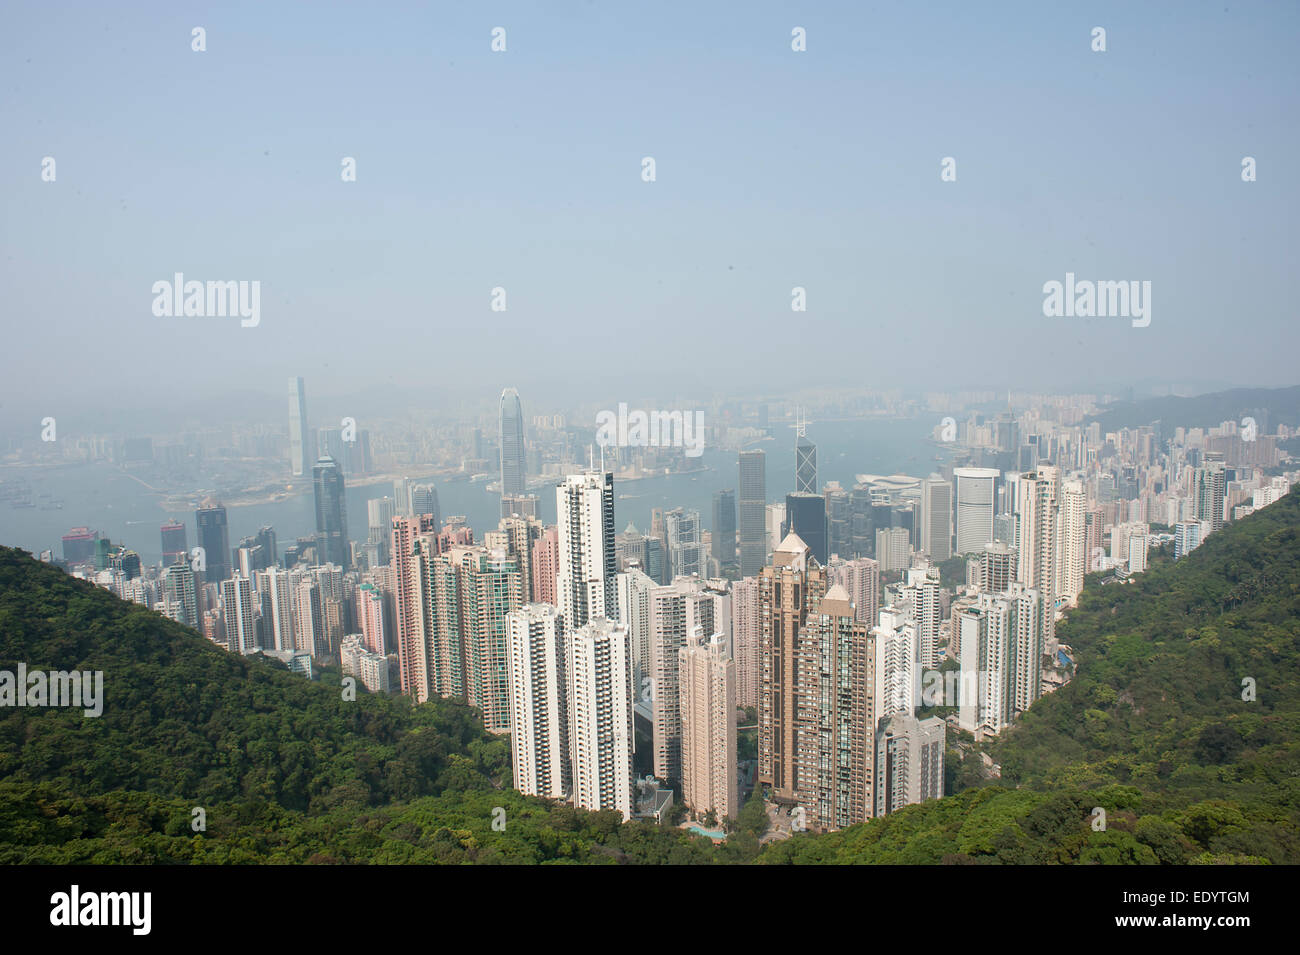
(775, 525)
(974, 507)
(656, 560)
(519, 505)
(424, 500)
(539, 718)
(862, 528)
(402, 497)
(746, 641)
(724, 529)
(79, 545)
(997, 563)
(893, 549)
(634, 587)
(787, 588)
(936, 519)
(708, 717)
(370, 614)
(210, 521)
(181, 602)
(600, 716)
(922, 591)
(897, 676)
(632, 549)
(805, 517)
(685, 553)
(299, 447)
(1004, 528)
(546, 566)
(379, 513)
(510, 435)
(1073, 555)
(174, 545)
(839, 520)
(276, 590)
(675, 611)
(752, 512)
(1187, 537)
(329, 444)
(805, 465)
(861, 578)
(237, 612)
(1036, 540)
(909, 760)
(1210, 487)
(584, 507)
(518, 537)
(331, 514)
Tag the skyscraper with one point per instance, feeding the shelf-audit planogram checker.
(237, 612)
(331, 514)
(1210, 489)
(786, 589)
(974, 508)
(588, 562)
(1037, 541)
(909, 759)
(174, 545)
(746, 640)
(685, 553)
(539, 717)
(180, 594)
(210, 521)
(600, 716)
(805, 516)
(936, 519)
(752, 504)
(299, 449)
(675, 612)
(514, 481)
(424, 500)
(724, 529)
(805, 465)
(708, 715)
(1073, 555)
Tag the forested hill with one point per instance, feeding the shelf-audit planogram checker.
(1271, 406)
(1183, 723)
(1154, 729)
(284, 768)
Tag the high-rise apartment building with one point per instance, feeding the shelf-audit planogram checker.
(675, 612)
(685, 552)
(237, 609)
(746, 640)
(600, 716)
(181, 594)
(588, 562)
(539, 717)
(1037, 540)
(909, 761)
(1073, 554)
(861, 578)
(708, 719)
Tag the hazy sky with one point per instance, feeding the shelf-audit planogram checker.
(522, 169)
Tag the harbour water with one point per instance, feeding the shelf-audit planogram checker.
(103, 498)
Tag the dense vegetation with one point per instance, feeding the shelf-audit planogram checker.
(1279, 405)
(1154, 729)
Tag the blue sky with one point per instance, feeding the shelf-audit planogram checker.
(522, 169)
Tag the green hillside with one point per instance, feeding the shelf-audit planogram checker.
(1277, 405)
(1153, 729)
